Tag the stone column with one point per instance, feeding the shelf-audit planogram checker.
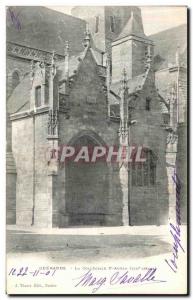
(124, 186)
(171, 163)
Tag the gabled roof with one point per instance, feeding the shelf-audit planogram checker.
(20, 97)
(75, 61)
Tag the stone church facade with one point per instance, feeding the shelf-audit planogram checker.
(105, 94)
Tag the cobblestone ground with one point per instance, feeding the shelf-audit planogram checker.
(84, 244)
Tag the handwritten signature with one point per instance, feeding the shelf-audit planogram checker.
(88, 279)
(15, 19)
(175, 229)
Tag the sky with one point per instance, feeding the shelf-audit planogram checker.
(155, 18)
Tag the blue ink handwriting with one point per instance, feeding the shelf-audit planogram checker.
(24, 271)
(175, 229)
(88, 279)
(15, 19)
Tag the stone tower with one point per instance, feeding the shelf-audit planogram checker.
(107, 23)
(131, 49)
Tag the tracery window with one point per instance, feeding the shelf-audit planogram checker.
(144, 174)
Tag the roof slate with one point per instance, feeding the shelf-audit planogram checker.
(19, 99)
(46, 29)
(135, 84)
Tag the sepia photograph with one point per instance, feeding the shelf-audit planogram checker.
(96, 150)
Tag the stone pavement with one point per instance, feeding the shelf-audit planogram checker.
(84, 243)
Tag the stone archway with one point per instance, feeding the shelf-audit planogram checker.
(86, 186)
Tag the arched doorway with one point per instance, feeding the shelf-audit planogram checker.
(86, 187)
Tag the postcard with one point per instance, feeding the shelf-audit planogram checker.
(96, 157)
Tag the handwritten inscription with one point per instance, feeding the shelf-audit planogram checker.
(88, 279)
(24, 271)
(15, 19)
(175, 229)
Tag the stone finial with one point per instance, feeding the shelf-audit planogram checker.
(108, 82)
(32, 68)
(148, 58)
(53, 66)
(66, 49)
(53, 57)
(87, 36)
(66, 65)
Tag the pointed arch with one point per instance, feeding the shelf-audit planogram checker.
(90, 134)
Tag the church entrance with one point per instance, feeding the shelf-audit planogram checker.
(86, 188)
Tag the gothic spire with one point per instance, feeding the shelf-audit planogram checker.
(87, 36)
(108, 81)
(53, 67)
(124, 80)
(66, 49)
(124, 109)
(148, 58)
(134, 26)
(53, 57)
(66, 61)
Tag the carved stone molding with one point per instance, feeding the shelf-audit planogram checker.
(29, 53)
(53, 123)
(172, 138)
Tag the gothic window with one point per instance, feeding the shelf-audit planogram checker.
(46, 94)
(96, 24)
(38, 96)
(112, 23)
(148, 103)
(144, 174)
(15, 79)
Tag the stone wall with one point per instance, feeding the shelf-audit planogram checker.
(22, 145)
(11, 176)
(34, 186)
(129, 53)
(149, 205)
(181, 169)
